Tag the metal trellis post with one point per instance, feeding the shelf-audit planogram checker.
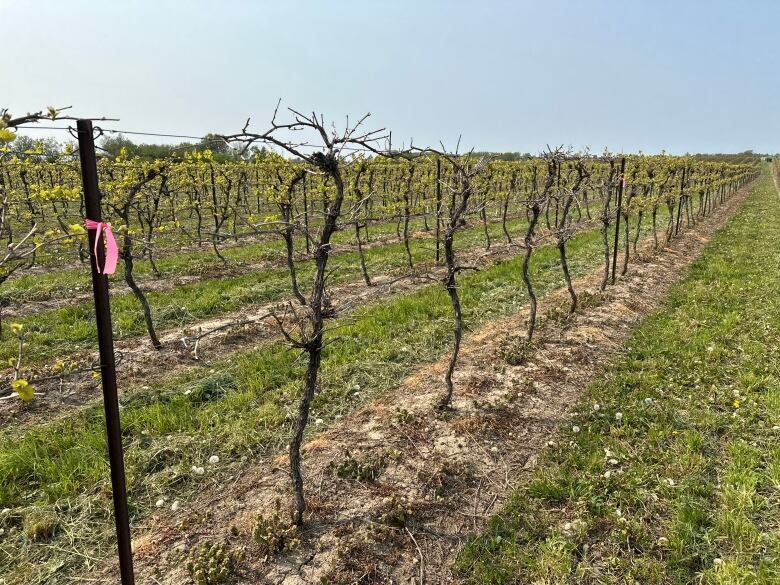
(106, 343)
(618, 214)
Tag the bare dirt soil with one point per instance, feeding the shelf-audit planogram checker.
(437, 478)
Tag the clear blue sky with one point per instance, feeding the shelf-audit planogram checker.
(697, 76)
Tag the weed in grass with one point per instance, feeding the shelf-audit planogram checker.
(396, 511)
(273, 534)
(355, 562)
(40, 524)
(212, 388)
(561, 312)
(351, 468)
(444, 478)
(515, 348)
(213, 564)
(403, 417)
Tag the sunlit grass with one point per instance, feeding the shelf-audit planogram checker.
(61, 332)
(694, 498)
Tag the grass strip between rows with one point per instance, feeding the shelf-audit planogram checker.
(61, 282)
(674, 478)
(73, 327)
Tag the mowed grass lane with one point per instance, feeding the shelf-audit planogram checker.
(59, 333)
(59, 283)
(675, 479)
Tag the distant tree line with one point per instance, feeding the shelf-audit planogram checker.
(24, 145)
(222, 151)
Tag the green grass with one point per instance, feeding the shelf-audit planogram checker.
(241, 407)
(693, 492)
(61, 332)
(59, 283)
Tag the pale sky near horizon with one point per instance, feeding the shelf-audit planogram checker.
(685, 76)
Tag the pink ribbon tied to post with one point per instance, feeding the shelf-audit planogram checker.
(112, 252)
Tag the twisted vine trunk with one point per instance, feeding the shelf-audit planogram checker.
(150, 218)
(438, 209)
(626, 241)
(567, 276)
(218, 221)
(655, 230)
(561, 234)
(504, 213)
(362, 256)
(313, 347)
(605, 213)
(680, 204)
(306, 216)
(561, 240)
(358, 239)
(287, 234)
(407, 212)
(127, 259)
(286, 210)
(483, 215)
(670, 225)
(638, 232)
(528, 241)
(450, 285)
(458, 204)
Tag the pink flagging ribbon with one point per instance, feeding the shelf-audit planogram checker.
(112, 252)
